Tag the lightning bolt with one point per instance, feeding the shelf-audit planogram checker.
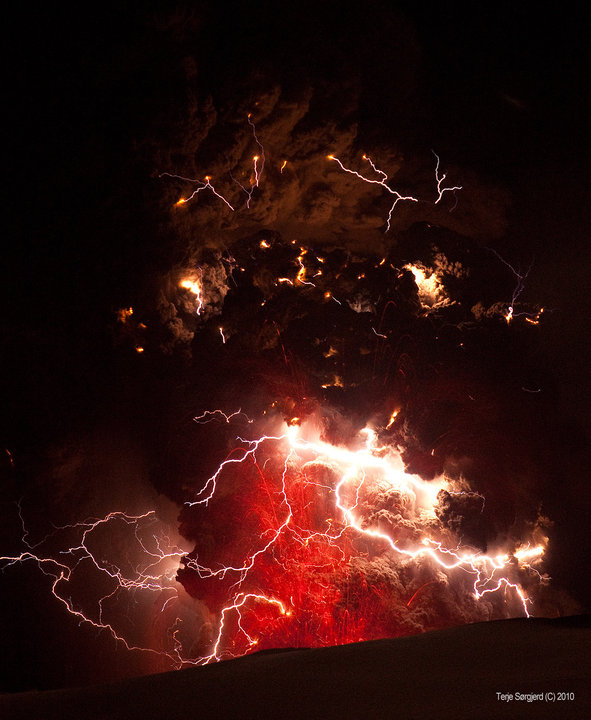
(298, 541)
(258, 166)
(62, 560)
(520, 277)
(288, 537)
(382, 181)
(203, 185)
(355, 471)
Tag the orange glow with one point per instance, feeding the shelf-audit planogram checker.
(194, 287)
(431, 290)
(191, 285)
(301, 276)
(536, 319)
(529, 553)
(392, 419)
(123, 314)
(337, 382)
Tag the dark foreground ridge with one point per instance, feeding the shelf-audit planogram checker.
(454, 673)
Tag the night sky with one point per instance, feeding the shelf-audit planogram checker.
(100, 104)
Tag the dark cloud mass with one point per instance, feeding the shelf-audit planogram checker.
(197, 234)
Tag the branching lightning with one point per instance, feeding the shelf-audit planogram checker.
(319, 513)
(315, 508)
(203, 185)
(520, 278)
(70, 551)
(349, 476)
(440, 178)
(258, 166)
(382, 181)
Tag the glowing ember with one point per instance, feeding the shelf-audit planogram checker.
(124, 313)
(431, 289)
(194, 286)
(392, 419)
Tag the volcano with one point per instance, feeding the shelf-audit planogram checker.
(296, 338)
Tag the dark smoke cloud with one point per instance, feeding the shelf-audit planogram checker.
(480, 401)
(312, 199)
(450, 421)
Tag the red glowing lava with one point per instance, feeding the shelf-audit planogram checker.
(315, 544)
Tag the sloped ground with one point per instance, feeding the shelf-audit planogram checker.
(453, 673)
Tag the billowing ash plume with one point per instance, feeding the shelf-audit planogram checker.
(304, 303)
(302, 290)
(327, 276)
(298, 191)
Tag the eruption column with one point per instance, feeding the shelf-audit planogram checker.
(356, 474)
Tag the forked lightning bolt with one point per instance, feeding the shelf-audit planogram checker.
(382, 181)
